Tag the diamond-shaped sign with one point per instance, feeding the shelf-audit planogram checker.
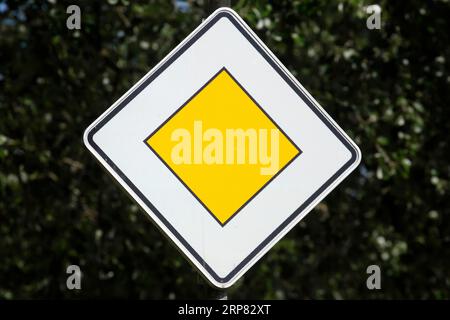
(222, 147)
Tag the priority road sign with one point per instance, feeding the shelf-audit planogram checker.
(222, 147)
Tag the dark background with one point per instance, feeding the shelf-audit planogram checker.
(388, 89)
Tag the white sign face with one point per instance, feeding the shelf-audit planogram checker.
(222, 147)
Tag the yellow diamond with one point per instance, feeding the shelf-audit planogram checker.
(222, 146)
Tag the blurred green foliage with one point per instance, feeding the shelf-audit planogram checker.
(388, 88)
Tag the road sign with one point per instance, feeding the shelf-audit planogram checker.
(222, 147)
